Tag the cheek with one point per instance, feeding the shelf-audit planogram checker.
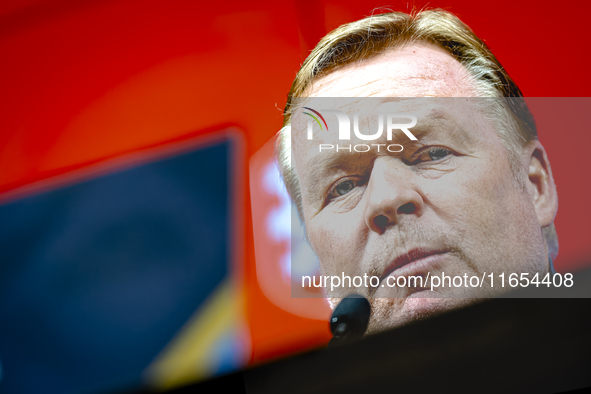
(490, 214)
(480, 191)
(338, 241)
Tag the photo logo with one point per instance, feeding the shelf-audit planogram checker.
(316, 119)
(392, 122)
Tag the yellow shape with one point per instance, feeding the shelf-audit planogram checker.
(187, 358)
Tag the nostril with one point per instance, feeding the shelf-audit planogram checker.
(407, 208)
(381, 221)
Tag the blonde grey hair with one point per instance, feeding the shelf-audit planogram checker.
(369, 37)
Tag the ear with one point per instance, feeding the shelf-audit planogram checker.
(541, 184)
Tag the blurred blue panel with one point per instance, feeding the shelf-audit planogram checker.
(97, 277)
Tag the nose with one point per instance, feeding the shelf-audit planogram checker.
(390, 195)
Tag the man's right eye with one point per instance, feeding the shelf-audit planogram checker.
(343, 187)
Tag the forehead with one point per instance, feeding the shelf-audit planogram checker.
(413, 70)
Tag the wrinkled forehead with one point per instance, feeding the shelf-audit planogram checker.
(413, 70)
(324, 111)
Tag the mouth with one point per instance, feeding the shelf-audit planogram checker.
(417, 261)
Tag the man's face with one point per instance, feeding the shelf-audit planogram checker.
(448, 203)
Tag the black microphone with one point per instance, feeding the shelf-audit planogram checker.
(349, 319)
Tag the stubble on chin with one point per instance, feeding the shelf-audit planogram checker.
(389, 313)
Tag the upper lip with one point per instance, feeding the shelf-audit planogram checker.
(407, 258)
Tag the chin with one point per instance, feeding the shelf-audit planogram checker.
(386, 316)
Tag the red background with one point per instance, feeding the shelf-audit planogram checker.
(86, 81)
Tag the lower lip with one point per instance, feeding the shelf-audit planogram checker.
(418, 267)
